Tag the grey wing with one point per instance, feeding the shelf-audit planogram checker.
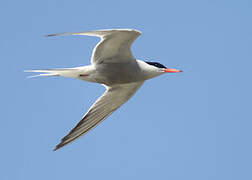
(112, 99)
(115, 44)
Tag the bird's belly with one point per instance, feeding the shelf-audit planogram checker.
(111, 74)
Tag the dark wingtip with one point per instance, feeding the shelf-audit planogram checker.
(60, 34)
(55, 149)
(60, 145)
(50, 35)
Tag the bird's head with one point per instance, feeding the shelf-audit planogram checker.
(161, 68)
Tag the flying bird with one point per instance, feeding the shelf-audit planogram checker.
(112, 65)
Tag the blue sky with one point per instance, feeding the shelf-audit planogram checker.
(194, 125)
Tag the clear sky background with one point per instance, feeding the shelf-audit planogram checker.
(194, 125)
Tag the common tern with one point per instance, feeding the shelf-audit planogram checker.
(112, 65)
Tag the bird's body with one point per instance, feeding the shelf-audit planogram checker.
(114, 66)
(115, 73)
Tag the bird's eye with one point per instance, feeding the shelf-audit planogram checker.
(158, 65)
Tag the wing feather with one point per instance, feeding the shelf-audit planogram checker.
(112, 99)
(115, 44)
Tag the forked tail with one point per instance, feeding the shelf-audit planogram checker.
(66, 72)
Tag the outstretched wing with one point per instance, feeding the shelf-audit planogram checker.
(115, 44)
(112, 99)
